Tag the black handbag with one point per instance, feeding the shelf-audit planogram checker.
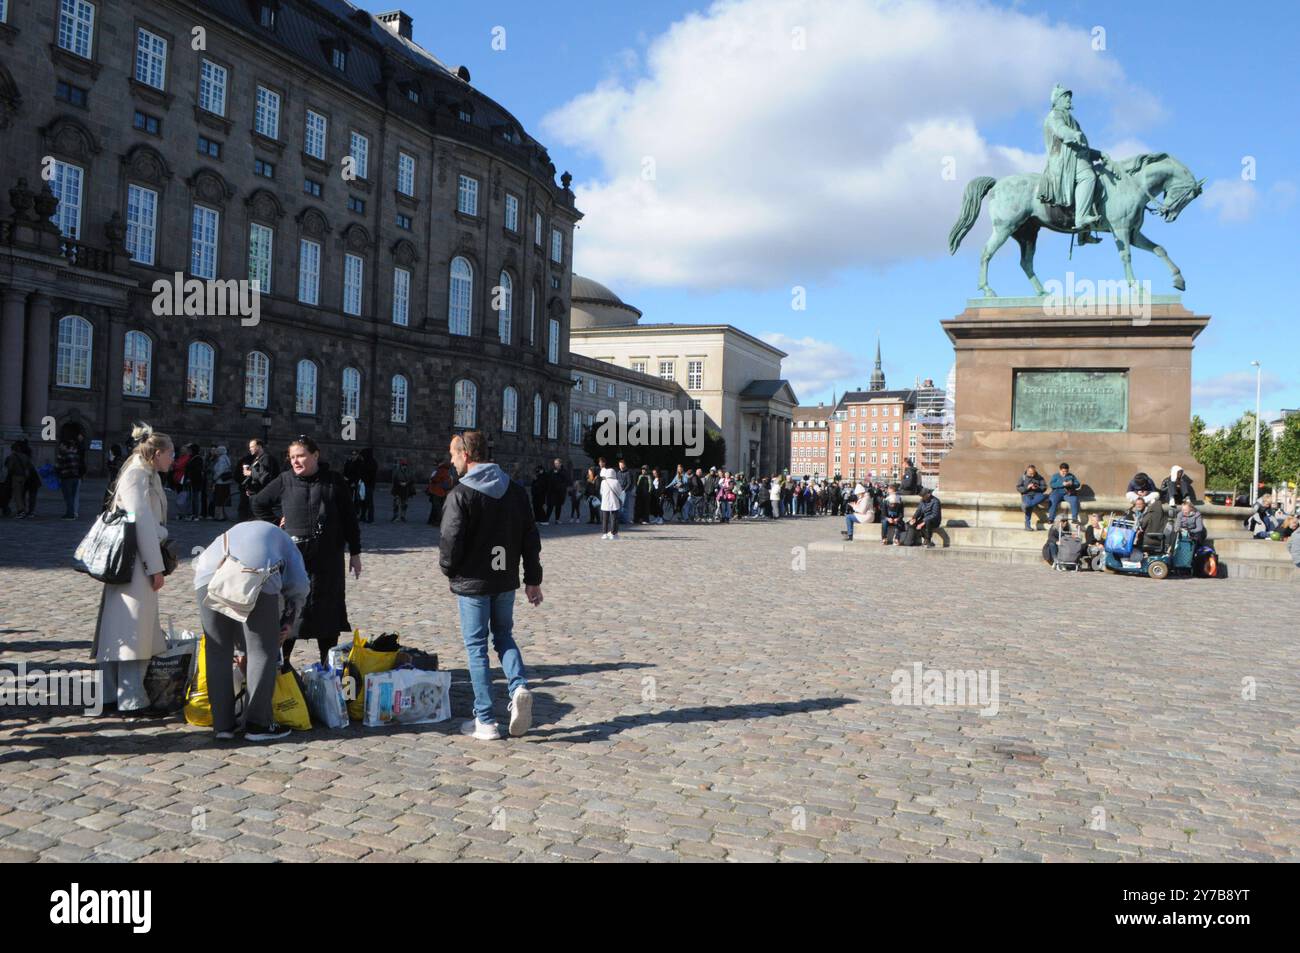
(169, 557)
(108, 551)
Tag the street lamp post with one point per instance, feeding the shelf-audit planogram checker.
(1254, 484)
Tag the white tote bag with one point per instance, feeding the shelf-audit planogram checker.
(234, 588)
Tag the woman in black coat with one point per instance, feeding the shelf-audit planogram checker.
(318, 514)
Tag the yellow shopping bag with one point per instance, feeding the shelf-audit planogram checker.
(362, 661)
(288, 706)
(198, 707)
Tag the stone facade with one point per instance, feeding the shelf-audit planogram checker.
(996, 338)
(84, 112)
(734, 377)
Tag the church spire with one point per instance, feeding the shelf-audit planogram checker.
(878, 375)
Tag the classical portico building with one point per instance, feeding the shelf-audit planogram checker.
(732, 376)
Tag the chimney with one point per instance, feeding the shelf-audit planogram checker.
(397, 21)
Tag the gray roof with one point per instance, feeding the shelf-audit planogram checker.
(908, 396)
(766, 389)
(588, 289)
(304, 29)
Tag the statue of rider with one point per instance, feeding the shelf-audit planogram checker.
(1069, 179)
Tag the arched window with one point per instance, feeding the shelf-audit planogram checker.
(198, 374)
(552, 420)
(137, 364)
(257, 380)
(305, 401)
(72, 363)
(460, 294)
(509, 410)
(398, 415)
(351, 392)
(537, 415)
(505, 303)
(466, 405)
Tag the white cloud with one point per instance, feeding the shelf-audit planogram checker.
(776, 165)
(1235, 389)
(1233, 199)
(813, 367)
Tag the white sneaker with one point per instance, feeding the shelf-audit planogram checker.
(605, 536)
(521, 711)
(480, 731)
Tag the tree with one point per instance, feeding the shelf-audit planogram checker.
(665, 456)
(1284, 460)
(1228, 454)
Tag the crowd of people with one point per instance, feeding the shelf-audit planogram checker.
(652, 496)
(1164, 511)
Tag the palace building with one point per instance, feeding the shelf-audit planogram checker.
(732, 376)
(412, 248)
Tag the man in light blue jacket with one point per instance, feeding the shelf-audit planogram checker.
(256, 545)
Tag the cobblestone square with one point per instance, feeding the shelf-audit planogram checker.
(705, 693)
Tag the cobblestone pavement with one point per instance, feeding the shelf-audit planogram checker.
(706, 693)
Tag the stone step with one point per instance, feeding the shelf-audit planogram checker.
(1229, 547)
(1269, 569)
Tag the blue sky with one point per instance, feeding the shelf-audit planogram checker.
(774, 170)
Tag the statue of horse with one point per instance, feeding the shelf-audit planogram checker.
(1124, 190)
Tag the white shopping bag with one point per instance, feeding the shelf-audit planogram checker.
(325, 697)
(407, 696)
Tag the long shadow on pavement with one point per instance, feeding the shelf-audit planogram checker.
(599, 731)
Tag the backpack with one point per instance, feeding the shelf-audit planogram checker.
(235, 588)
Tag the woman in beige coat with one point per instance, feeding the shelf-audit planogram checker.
(128, 633)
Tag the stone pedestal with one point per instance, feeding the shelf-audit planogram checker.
(996, 338)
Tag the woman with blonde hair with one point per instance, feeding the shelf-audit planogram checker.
(127, 633)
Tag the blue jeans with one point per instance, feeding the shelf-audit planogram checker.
(1027, 503)
(849, 520)
(1056, 498)
(478, 616)
(724, 509)
(71, 496)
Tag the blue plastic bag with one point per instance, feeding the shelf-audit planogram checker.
(1119, 540)
(48, 476)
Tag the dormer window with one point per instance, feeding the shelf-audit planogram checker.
(410, 90)
(336, 51)
(464, 113)
(266, 15)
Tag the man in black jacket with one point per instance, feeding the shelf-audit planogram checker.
(557, 488)
(928, 516)
(487, 529)
(259, 473)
